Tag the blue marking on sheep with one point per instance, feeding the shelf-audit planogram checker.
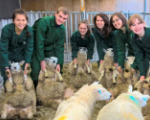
(145, 99)
(133, 99)
(100, 91)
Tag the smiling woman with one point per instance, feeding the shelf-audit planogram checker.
(82, 38)
(140, 41)
(16, 42)
(118, 24)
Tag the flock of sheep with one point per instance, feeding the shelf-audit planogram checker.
(75, 99)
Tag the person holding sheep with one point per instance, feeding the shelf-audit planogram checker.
(122, 33)
(49, 36)
(82, 38)
(104, 37)
(16, 43)
(140, 41)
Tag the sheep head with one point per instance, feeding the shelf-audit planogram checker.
(100, 92)
(109, 52)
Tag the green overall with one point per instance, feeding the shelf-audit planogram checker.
(48, 41)
(141, 50)
(105, 43)
(77, 41)
(123, 43)
(15, 47)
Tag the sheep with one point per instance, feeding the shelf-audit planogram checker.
(81, 73)
(51, 90)
(80, 106)
(20, 98)
(127, 106)
(130, 77)
(106, 68)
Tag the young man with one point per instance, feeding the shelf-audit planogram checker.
(49, 36)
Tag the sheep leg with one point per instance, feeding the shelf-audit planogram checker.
(45, 73)
(101, 75)
(59, 76)
(88, 69)
(26, 113)
(75, 66)
(10, 80)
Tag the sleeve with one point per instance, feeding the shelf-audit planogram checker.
(4, 44)
(115, 48)
(121, 51)
(74, 46)
(139, 56)
(59, 48)
(90, 47)
(40, 28)
(29, 47)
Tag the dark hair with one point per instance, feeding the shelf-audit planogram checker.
(105, 18)
(64, 10)
(22, 12)
(87, 24)
(120, 16)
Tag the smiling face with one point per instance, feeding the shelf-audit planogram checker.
(117, 22)
(20, 21)
(100, 22)
(137, 27)
(83, 29)
(60, 17)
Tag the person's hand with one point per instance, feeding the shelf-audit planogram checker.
(119, 69)
(25, 68)
(58, 67)
(133, 70)
(142, 78)
(75, 61)
(116, 65)
(43, 65)
(7, 71)
(88, 62)
(101, 61)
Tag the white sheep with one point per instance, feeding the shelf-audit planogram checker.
(81, 73)
(126, 107)
(130, 77)
(80, 106)
(106, 68)
(20, 98)
(51, 90)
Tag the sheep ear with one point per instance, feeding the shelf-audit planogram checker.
(130, 89)
(95, 83)
(104, 50)
(22, 62)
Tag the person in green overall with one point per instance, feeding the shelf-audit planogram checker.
(122, 33)
(49, 37)
(104, 37)
(16, 43)
(82, 38)
(140, 41)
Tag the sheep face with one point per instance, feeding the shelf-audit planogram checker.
(16, 67)
(51, 62)
(101, 92)
(83, 50)
(109, 52)
(142, 99)
(128, 63)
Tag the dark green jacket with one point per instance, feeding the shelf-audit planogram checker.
(105, 43)
(123, 43)
(87, 42)
(49, 37)
(15, 47)
(141, 50)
